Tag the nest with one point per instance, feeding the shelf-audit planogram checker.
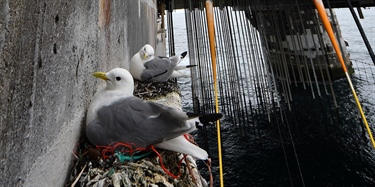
(90, 169)
(155, 90)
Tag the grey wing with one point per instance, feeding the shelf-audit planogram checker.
(142, 123)
(96, 133)
(175, 59)
(162, 122)
(158, 69)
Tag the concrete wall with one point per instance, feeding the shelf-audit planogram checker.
(48, 51)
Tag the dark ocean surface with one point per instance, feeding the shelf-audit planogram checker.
(319, 147)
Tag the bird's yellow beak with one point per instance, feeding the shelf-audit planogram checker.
(144, 56)
(100, 75)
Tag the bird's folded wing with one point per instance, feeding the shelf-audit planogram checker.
(157, 67)
(133, 120)
(181, 145)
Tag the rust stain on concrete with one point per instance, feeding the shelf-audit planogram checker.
(104, 12)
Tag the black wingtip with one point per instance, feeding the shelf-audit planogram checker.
(191, 66)
(193, 115)
(184, 54)
(207, 118)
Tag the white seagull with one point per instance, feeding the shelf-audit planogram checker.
(145, 66)
(115, 115)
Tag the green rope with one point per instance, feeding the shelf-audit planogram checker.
(133, 157)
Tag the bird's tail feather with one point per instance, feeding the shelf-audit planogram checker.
(178, 74)
(183, 54)
(184, 67)
(181, 57)
(205, 118)
(181, 145)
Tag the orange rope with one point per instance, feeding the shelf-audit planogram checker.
(211, 32)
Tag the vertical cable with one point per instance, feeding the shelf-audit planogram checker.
(364, 37)
(170, 30)
(211, 30)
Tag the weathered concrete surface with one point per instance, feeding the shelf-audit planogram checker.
(48, 50)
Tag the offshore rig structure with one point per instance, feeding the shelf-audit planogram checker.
(272, 63)
(262, 47)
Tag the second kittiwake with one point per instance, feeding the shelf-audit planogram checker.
(145, 66)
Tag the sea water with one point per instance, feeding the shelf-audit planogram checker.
(327, 149)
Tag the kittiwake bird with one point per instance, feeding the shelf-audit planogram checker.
(145, 66)
(115, 116)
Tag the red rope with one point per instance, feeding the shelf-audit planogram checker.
(208, 164)
(76, 149)
(191, 172)
(162, 165)
(190, 138)
(109, 150)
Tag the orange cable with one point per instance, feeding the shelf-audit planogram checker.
(211, 32)
(323, 16)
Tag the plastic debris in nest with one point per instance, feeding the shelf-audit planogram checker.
(91, 169)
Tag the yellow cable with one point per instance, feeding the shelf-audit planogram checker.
(211, 32)
(323, 15)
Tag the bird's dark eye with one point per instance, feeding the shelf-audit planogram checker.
(144, 49)
(118, 78)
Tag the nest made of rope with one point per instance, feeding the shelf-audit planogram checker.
(103, 166)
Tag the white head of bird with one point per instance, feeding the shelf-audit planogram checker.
(117, 79)
(120, 84)
(146, 52)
